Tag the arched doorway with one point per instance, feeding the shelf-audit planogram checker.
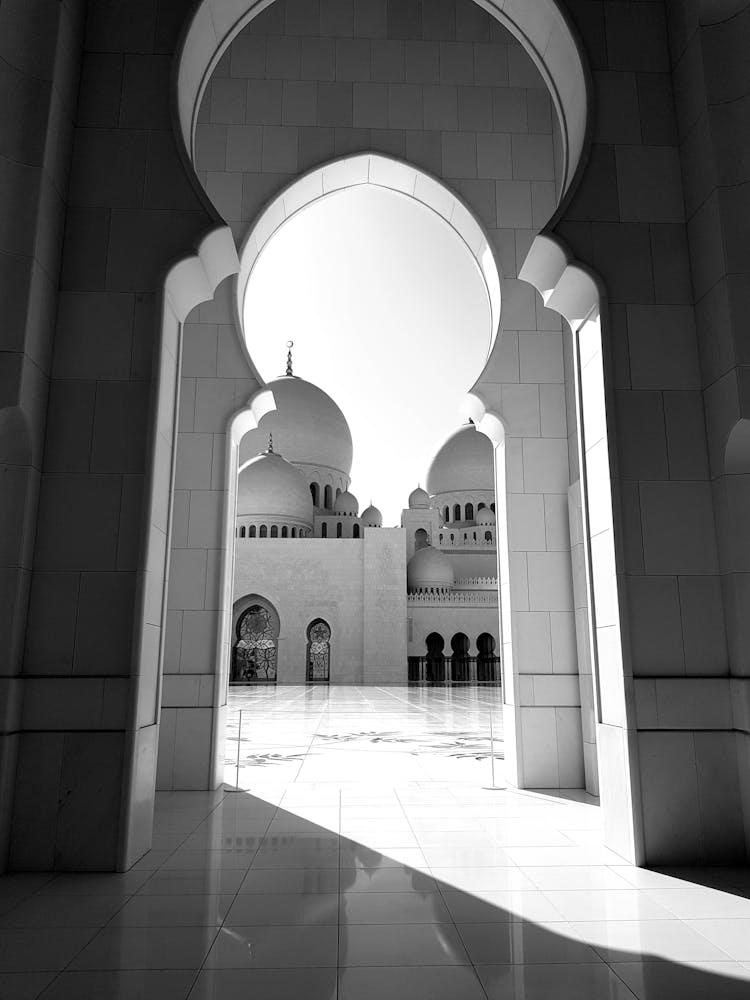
(318, 652)
(488, 664)
(460, 658)
(255, 650)
(435, 673)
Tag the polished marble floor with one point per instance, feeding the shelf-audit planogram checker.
(365, 855)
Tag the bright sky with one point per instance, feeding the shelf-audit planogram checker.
(388, 314)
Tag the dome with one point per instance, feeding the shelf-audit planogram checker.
(419, 498)
(269, 486)
(484, 516)
(346, 503)
(308, 427)
(464, 461)
(429, 568)
(371, 517)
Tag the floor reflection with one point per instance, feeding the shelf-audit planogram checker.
(356, 890)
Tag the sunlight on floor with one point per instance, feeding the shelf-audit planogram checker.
(368, 857)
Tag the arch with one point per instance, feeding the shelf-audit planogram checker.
(487, 661)
(460, 658)
(324, 530)
(481, 506)
(318, 652)
(447, 514)
(456, 511)
(252, 531)
(421, 539)
(355, 531)
(487, 536)
(242, 531)
(339, 529)
(274, 531)
(284, 531)
(338, 492)
(314, 493)
(435, 645)
(469, 512)
(255, 646)
(294, 532)
(263, 531)
(492, 507)
(542, 29)
(328, 498)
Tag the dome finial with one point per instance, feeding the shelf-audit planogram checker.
(290, 345)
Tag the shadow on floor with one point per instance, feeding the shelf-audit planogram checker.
(257, 902)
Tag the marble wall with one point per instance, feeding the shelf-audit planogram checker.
(92, 222)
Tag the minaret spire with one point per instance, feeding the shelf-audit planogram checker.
(290, 345)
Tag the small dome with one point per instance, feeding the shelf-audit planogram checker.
(418, 498)
(484, 516)
(464, 461)
(269, 486)
(346, 503)
(308, 427)
(371, 517)
(429, 568)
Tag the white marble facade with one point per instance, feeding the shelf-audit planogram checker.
(616, 212)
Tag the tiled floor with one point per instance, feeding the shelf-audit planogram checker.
(418, 880)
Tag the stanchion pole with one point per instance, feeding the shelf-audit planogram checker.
(492, 748)
(239, 740)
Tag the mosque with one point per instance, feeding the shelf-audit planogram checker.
(326, 593)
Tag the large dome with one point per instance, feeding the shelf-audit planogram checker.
(269, 486)
(429, 569)
(463, 462)
(308, 427)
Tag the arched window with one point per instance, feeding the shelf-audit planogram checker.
(492, 507)
(457, 512)
(256, 639)
(488, 536)
(328, 498)
(314, 493)
(338, 492)
(480, 506)
(466, 537)
(252, 531)
(263, 533)
(475, 536)
(355, 531)
(447, 514)
(324, 530)
(452, 536)
(274, 531)
(421, 540)
(242, 531)
(318, 651)
(441, 536)
(284, 532)
(469, 511)
(294, 532)
(339, 529)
